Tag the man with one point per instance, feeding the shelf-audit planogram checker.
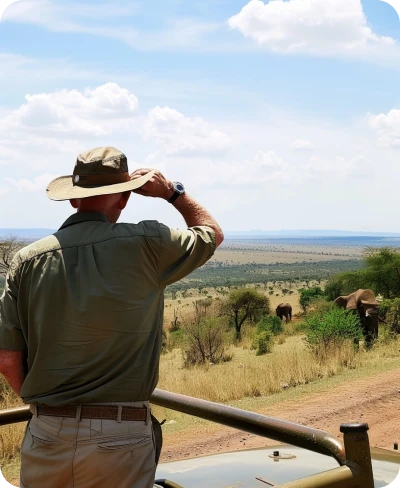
(81, 325)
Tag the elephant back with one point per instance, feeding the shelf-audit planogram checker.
(366, 297)
(357, 299)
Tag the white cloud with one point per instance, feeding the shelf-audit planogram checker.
(264, 167)
(4, 5)
(387, 127)
(20, 69)
(338, 168)
(3, 190)
(73, 16)
(316, 27)
(113, 20)
(97, 112)
(38, 183)
(237, 168)
(179, 135)
(7, 154)
(302, 144)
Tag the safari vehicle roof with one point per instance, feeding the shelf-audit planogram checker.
(255, 468)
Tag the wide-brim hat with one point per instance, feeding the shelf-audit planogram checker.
(99, 171)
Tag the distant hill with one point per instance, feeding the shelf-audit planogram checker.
(257, 234)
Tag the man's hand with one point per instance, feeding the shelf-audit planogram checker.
(157, 187)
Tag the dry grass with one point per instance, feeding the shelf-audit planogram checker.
(248, 375)
(10, 435)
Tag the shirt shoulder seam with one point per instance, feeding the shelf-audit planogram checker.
(41, 253)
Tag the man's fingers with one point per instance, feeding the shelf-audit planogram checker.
(141, 172)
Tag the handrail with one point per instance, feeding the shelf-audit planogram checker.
(354, 472)
(279, 430)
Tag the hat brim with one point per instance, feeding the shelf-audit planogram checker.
(62, 188)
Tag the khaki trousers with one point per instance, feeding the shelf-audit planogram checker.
(60, 452)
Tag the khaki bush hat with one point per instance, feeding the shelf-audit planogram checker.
(99, 171)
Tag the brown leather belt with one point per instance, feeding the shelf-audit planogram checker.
(107, 412)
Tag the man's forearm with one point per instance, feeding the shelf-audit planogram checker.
(12, 368)
(195, 214)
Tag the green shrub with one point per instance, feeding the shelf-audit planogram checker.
(321, 305)
(264, 342)
(384, 307)
(271, 323)
(393, 315)
(331, 328)
(306, 295)
(176, 339)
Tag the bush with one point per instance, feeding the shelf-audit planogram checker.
(306, 295)
(331, 328)
(264, 341)
(321, 305)
(384, 307)
(176, 339)
(393, 315)
(268, 327)
(271, 323)
(205, 340)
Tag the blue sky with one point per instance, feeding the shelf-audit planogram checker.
(275, 115)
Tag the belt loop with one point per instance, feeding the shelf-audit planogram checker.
(78, 413)
(119, 415)
(148, 413)
(35, 409)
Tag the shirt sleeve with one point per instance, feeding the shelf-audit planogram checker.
(183, 251)
(11, 336)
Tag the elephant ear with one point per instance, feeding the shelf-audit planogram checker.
(341, 302)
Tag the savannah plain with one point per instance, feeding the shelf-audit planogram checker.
(289, 382)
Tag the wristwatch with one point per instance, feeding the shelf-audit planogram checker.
(179, 189)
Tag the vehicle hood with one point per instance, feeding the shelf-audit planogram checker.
(242, 468)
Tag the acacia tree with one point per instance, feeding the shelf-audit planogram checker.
(8, 247)
(246, 304)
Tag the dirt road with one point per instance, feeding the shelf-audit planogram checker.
(375, 400)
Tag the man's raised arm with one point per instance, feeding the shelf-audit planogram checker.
(193, 213)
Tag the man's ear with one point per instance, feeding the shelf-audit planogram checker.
(124, 199)
(74, 202)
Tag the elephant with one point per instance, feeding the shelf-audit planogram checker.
(363, 302)
(284, 310)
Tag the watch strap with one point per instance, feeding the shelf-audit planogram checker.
(174, 197)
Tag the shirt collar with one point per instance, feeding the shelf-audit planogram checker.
(79, 217)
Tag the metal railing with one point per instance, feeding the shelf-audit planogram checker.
(354, 457)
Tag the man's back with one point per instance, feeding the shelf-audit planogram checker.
(90, 305)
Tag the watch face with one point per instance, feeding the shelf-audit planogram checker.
(179, 187)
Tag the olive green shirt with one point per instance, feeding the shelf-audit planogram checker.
(86, 306)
